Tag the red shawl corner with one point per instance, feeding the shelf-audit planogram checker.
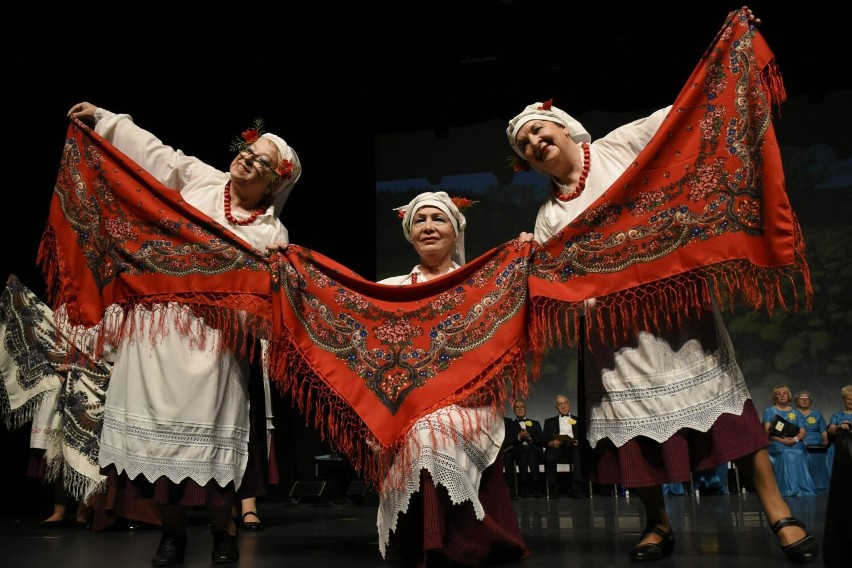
(701, 216)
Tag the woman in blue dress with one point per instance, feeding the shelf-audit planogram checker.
(840, 420)
(816, 428)
(787, 452)
(816, 439)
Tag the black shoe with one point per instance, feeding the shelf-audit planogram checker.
(803, 550)
(643, 552)
(553, 493)
(524, 494)
(224, 548)
(253, 526)
(577, 492)
(536, 493)
(60, 524)
(170, 551)
(513, 495)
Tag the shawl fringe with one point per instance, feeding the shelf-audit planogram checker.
(660, 305)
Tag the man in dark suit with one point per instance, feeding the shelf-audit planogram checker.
(523, 446)
(563, 434)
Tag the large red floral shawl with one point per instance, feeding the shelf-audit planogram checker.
(363, 361)
(705, 201)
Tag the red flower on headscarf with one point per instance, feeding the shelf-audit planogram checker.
(250, 136)
(546, 105)
(285, 168)
(462, 203)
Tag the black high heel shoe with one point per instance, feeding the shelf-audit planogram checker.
(803, 550)
(658, 551)
(171, 550)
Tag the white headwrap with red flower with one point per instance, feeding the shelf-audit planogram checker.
(545, 111)
(444, 202)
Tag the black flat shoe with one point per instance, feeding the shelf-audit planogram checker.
(225, 548)
(803, 550)
(51, 525)
(253, 526)
(658, 551)
(171, 550)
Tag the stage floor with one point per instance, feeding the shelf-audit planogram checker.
(596, 532)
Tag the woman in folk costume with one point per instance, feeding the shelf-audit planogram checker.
(176, 418)
(444, 498)
(661, 400)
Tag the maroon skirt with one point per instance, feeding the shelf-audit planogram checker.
(186, 493)
(434, 527)
(643, 462)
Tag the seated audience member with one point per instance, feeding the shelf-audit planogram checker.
(674, 488)
(562, 436)
(816, 429)
(840, 420)
(816, 439)
(785, 427)
(523, 447)
(713, 481)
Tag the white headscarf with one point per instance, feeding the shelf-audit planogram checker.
(545, 111)
(442, 201)
(281, 191)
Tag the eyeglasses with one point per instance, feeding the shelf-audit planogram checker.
(253, 158)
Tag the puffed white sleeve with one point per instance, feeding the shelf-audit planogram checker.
(169, 166)
(631, 138)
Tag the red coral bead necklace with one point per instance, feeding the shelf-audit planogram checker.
(231, 219)
(581, 185)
